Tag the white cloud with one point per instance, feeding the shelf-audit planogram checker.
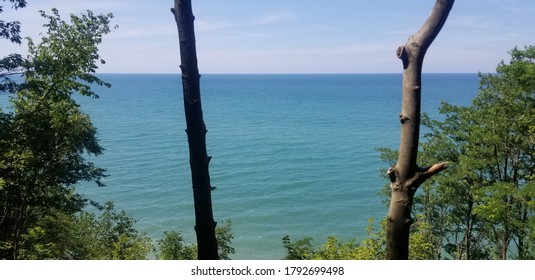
(204, 25)
(515, 7)
(366, 47)
(276, 17)
(471, 22)
(273, 38)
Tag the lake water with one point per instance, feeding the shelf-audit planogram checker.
(292, 154)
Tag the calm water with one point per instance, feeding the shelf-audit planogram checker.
(292, 154)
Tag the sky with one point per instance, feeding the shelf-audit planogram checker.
(295, 36)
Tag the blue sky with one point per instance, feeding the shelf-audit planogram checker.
(297, 36)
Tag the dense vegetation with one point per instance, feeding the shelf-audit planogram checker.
(483, 206)
(45, 136)
(45, 141)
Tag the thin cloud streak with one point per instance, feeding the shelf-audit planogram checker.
(515, 8)
(272, 18)
(203, 25)
(280, 36)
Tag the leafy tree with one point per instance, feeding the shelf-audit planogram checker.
(45, 137)
(302, 249)
(482, 207)
(373, 247)
(422, 241)
(108, 236)
(173, 247)
(12, 63)
(118, 238)
(490, 190)
(224, 236)
(502, 150)
(11, 30)
(370, 248)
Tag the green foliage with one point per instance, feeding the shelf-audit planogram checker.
(224, 237)
(12, 63)
(173, 247)
(108, 236)
(11, 30)
(495, 159)
(482, 206)
(370, 248)
(422, 241)
(373, 247)
(118, 238)
(45, 138)
(302, 249)
(336, 250)
(63, 62)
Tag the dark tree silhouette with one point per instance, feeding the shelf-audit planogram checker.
(11, 30)
(406, 176)
(196, 131)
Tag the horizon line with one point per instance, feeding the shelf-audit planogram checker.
(304, 73)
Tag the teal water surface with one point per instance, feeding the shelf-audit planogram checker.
(292, 154)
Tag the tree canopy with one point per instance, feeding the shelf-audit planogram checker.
(11, 30)
(45, 142)
(44, 136)
(483, 206)
(12, 63)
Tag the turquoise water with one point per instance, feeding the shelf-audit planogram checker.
(292, 154)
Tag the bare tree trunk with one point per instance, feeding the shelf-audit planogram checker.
(505, 243)
(468, 230)
(406, 176)
(196, 131)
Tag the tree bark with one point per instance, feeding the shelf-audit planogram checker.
(196, 131)
(468, 230)
(406, 176)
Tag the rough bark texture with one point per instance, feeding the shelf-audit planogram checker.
(196, 131)
(406, 176)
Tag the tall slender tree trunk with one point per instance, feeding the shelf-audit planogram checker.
(505, 243)
(406, 176)
(468, 230)
(196, 131)
(521, 234)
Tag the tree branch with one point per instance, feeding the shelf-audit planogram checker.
(432, 26)
(412, 55)
(428, 172)
(435, 168)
